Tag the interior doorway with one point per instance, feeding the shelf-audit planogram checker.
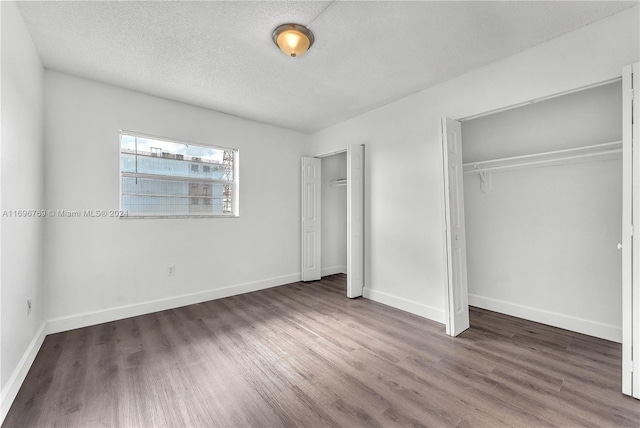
(334, 214)
(333, 217)
(600, 163)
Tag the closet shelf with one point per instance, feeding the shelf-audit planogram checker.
(338, 183)
(559, 157)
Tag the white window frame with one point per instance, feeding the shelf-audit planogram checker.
(235, 183)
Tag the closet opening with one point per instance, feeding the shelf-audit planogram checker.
(543, 211)
(333, 217)
(334, 214)
(571, 196)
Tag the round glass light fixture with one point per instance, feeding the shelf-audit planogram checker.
(293, 39)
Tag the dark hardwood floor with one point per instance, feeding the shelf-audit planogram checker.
(305, 355)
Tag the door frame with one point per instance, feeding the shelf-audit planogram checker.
(631, 201)
(356, 284)
(631, 219)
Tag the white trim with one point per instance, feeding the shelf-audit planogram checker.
(596, 152)
(567, 322)
(57, 325)
(631, 270)
(85, 319)
(10, 390)
(170, 140)
(333, 270)
(626, 232)
(429, 312)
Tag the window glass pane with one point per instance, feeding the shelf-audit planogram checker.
(184, 151)
(152, 205)
(128, 143)
(177, 165)
(203, 183)
(152, 186)
(152, 196)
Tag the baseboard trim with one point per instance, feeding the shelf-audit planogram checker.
(10, 391)
(333, 270)
(410, 306)
(57, 325)
(86, 319)
(579, 325)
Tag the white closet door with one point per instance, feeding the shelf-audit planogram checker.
(630, 221)
(355, 220)
(456, 251)
(311, 218)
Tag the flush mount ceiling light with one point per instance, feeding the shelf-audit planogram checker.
(293, 39)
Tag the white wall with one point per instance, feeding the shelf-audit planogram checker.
(22, 188)
(541, 242)
(105, 268)
(334, 215)
(404, 261)
(588, 117)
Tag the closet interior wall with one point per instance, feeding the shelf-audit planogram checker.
(334, 214)
(541, 240)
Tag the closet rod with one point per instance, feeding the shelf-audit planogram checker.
(338, 182)
(579, 154)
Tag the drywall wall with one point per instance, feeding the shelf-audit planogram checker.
(334, 215)
(22, 181)
(588, 117)
(541, 242)
(106, 268)
(404, 261)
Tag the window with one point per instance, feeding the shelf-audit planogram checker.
(160, 178)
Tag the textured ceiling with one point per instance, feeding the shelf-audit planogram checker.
(220, 55)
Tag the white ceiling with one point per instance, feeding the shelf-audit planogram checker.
(220, 55)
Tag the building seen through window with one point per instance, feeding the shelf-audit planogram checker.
(164, 178)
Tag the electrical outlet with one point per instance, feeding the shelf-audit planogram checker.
(171, 270)
(28, 305)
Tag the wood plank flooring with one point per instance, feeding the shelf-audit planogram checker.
(305, 355)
